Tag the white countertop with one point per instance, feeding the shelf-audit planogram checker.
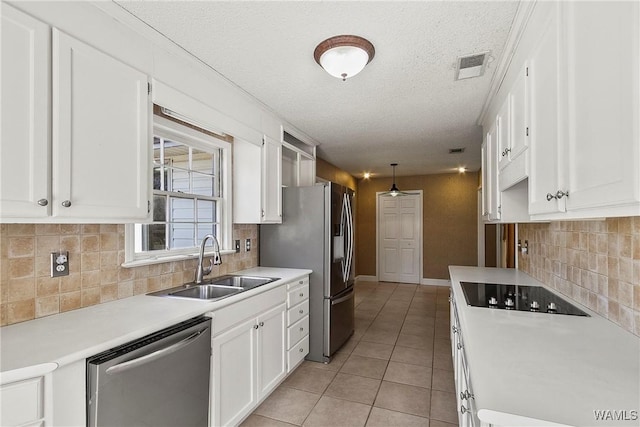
(39, 346)
(554, 368)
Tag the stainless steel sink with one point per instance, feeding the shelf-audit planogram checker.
(216, 288)
(244, 282)
(206, 292)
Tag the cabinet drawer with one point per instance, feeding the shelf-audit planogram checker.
(297, 353)
(299, 282)
(298, 312)
(298, 294)
(22, 402)
(297, 331)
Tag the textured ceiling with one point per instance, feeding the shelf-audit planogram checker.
(404, 107)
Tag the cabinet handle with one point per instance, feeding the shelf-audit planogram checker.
(560, 194)
(255, 326)
(43, 202)
(261, 323)
(550, 197)
(66, 203)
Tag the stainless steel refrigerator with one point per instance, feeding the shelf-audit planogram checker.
(317, 232)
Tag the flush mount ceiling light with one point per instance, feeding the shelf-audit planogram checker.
(394, 191)
(344, 56)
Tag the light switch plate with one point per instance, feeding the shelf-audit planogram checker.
(247, 245)
(59, 264)
(237, 247)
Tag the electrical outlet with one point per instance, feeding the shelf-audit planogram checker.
(237, 246)
(247, 245)
(59, 264)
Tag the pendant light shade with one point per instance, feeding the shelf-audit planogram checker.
(344, 56)
(394, 191)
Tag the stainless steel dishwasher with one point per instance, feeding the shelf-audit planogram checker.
(161, 379)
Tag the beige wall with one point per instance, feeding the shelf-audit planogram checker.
(95, 254)
(326, 170)
(596, 263)
(449, 221)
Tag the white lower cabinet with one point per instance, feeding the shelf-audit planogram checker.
(23, 403)
(256, 343)
(297, 322)
(467, 414)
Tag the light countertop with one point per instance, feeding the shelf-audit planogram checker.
(38, 346)
(554, 368)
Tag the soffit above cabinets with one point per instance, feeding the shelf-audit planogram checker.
(405, 106)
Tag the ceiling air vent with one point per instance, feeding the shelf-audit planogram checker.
(456, 150)
(471, 65)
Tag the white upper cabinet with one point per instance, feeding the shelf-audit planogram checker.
(490, 193)
(101, 144)
(89, 162)
(602, 164)
(25, 142)
(257, 182)
(546, 153)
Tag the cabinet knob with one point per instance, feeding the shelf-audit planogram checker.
(454, 329)
(463, 410)
(560, 194)
(301, 294)
(43, 202)
(255, 326)
(300, 282)
(301, 329)
(301, 311)
(261, 323)
(459, 345)
(301, 349)
(66, 203)
(550, 197)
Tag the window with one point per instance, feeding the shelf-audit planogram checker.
(191, 194)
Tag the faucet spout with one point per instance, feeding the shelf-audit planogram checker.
(202, 271)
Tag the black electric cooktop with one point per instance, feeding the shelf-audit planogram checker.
(534, 299)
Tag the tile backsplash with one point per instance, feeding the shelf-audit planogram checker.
(96, 252)
(596, 263)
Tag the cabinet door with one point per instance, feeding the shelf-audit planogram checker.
(24, 147)
(603, 103)
(503, 133)
(546, 150)
(234, 374)
(271, 181)
(490, 192)
(271, 349)
(519, 114)
(101, 139)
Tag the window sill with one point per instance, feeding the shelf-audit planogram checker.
(170, 258)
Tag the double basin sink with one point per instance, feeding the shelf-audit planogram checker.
(216, 288)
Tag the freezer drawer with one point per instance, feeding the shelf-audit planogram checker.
(339, 318)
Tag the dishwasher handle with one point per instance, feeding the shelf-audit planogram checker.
(121, 367)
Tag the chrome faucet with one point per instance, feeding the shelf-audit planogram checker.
(215, 260)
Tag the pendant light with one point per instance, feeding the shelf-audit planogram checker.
(344, 56)
(394, 191)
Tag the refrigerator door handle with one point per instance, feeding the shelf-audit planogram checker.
(349, 233)
(343, 299)
(344, 229)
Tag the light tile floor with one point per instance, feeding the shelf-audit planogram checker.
(396, 370)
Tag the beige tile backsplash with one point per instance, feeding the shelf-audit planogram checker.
(596, 263)
(95, 276)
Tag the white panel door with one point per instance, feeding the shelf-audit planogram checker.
(400, 239)
(101, 145)
(24, 143)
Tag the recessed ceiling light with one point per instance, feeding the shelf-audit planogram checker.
(367, 175)
(462, 169)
